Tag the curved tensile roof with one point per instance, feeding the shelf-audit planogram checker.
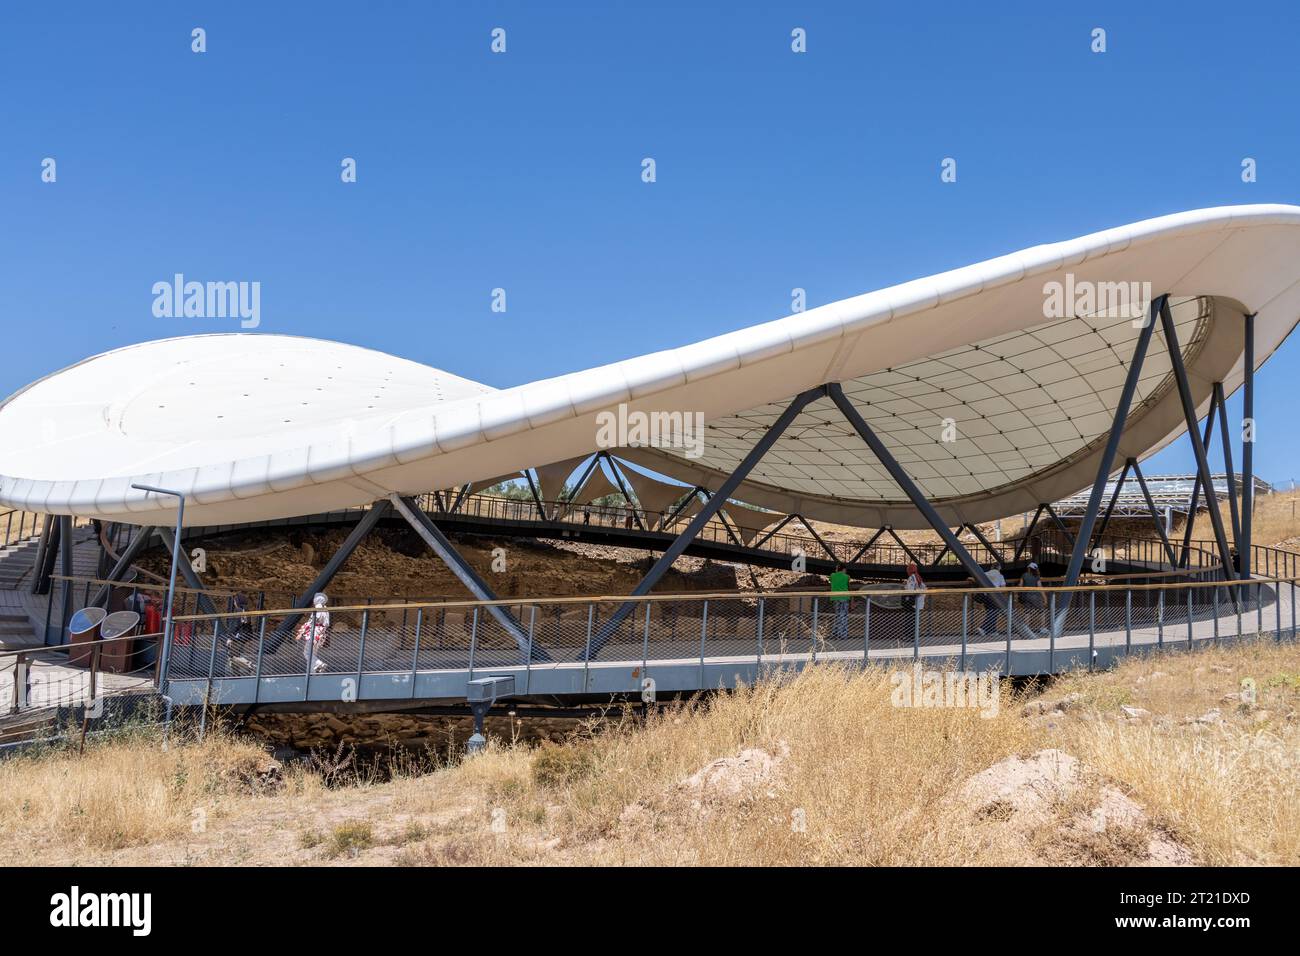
(259, 426)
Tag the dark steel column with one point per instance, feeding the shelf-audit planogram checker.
(1198, 447)
(1112, 446)
(1110, 508)
(124, 561)
(904, 481)
(1218, 402)
(1025, 533)
(360, 530)
(65, 552)
(1248, 450)
(866, 547)
(437, 541)
(1196, 493)
(1151, 507)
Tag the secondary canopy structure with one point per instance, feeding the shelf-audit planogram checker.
(988, 403)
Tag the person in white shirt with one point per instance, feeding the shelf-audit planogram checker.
(992, 605)
(914, 583)
(314, 634)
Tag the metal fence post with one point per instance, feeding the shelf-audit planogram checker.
(361, 647)
(586, 657)
(645, 641)
(1051, 633)
(1160, 618)
(965, 617)
(415, 655)
(704, 630)
(1277, 603)
(916, 626)
(813, 643)
(866, 633)
(762, 602)
(212, 666)
(473, 642)
(1214, 605)
(257, 668)
(528, 661)
(1011, 599)
(1092, 628)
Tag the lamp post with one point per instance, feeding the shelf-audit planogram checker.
(171, 583)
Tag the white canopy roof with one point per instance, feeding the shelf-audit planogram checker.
(257, 426)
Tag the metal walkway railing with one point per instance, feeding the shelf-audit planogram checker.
(429, 651)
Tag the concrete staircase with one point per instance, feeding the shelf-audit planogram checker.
(16, 564)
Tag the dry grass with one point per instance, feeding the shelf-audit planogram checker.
(122, 793)
(844, 778)
(1230, 787)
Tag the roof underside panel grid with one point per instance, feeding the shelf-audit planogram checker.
(968, 420)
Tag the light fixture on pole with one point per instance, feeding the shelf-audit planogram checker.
(171, 582)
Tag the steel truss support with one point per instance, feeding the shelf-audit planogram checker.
(1107, 462)
(1151, 507)
(1060, 525)
(979, 536)
(919, 501)
(124, 561)
(1025, 534)
(1110, 508)
(866, 547)
(1198, 446)
(44, 565)
(66, 566)
(1227, 457)
(904, 481)
(632, 504)
(1089, 520)
(779, 525)
(1248, 450)
(1194, 501)
(944, 550)
(911, 555)
(192, 580)
(378, 511)
(537, 499)
(703, 516)
(444, 549)
(684, 502)
(818, 538)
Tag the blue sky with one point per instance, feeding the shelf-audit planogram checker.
(523, 170)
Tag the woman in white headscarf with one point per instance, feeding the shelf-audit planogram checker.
(314, 634)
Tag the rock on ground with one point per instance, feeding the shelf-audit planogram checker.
(1062, 813)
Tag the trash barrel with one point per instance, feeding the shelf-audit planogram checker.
(84, 628)
(119, 657)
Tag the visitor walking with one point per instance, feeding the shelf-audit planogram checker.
(840, 600)
(992, 604)
(314, 634)
(1036, 617)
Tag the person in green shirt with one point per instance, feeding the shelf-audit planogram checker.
(840, 599)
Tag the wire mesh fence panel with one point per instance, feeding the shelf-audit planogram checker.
(787, 626)
(501, 636)
(730, 628)
(613, 632)
(560, 631)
